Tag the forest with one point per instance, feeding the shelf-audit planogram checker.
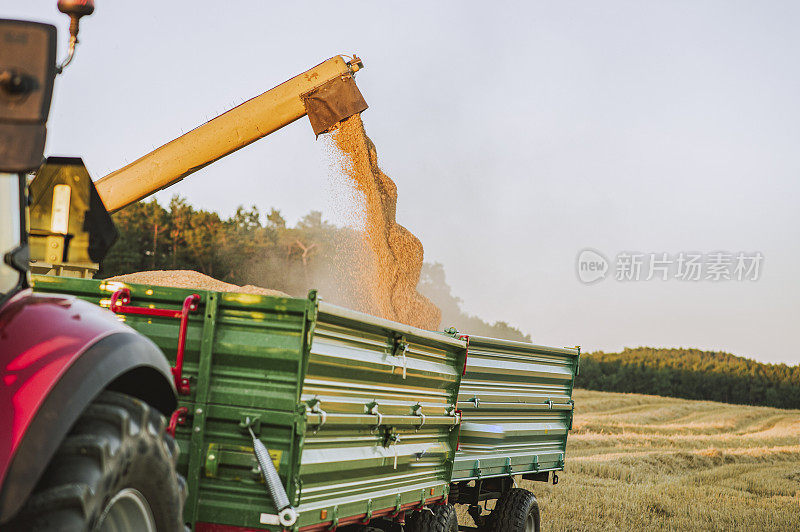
(692, 374)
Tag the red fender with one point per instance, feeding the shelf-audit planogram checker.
(41, 335)
(57, 353)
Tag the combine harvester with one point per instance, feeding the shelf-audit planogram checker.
(288, 413)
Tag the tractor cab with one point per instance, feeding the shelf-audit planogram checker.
(54, 225)
(57, 221)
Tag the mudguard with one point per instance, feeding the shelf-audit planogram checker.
(57, 353)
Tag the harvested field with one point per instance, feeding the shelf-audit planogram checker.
(192, 279)
(639, 462)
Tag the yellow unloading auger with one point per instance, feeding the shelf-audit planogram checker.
(326, 93)
(64, 198)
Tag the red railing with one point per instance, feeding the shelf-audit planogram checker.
(120, 304)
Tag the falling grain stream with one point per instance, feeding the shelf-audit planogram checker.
(380, 275)
(390, 267)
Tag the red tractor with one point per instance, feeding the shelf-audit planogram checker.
(84, 398)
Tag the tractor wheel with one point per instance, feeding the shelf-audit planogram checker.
(440, 518)
(516, 511)
(115, 471)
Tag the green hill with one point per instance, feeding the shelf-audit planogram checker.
(692, 374)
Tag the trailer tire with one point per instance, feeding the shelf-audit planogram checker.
(516, 511)
(441, 518)
(117, 464)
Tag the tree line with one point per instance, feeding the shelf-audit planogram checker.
(262, 249)
(692, 374)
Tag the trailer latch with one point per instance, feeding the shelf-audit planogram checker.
(417, 410)
(391, 439)
(457, 416)
(372, 409)
(313, 407)
(400, 349)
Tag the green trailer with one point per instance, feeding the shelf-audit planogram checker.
(361, 416)
(517, 406)
(516, 400)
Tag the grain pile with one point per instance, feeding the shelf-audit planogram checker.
(192, 279)
(390, 270)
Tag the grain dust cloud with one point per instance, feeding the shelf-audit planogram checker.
(387, 268)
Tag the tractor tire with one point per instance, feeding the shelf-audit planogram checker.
(441, 518)
(115, 471)
(516, 511)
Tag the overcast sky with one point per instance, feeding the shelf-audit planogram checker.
(518, 135)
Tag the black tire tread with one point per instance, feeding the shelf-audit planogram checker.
(98, 458)
(512, 510)
(440, 518)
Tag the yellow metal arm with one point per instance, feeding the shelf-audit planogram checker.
(321, 87)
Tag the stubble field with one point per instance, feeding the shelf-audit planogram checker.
(640, 462)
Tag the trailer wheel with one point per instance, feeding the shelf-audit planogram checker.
(516, 511)
(441, 518)
(115, 471)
